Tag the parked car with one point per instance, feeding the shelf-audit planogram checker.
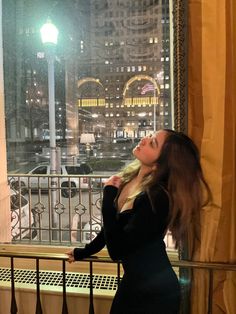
(69, 187)
(22, 218)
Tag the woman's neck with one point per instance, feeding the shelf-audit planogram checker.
(144, 171)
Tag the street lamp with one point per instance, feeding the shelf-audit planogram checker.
(49, 35)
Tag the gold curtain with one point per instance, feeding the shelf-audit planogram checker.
(212, 124)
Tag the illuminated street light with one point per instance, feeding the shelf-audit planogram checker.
(49, 35)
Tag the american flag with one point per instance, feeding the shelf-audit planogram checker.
(146, 88)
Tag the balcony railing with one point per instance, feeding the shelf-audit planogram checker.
(57, 209)
(38, 275)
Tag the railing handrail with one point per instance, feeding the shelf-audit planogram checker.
(107, 259)
(27, 175)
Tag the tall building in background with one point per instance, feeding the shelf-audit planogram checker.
(126, 45)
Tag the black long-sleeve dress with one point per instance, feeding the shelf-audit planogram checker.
(135, 236)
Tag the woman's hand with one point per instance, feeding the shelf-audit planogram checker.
(71, 258)
(114, 181)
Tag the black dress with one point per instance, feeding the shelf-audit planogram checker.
(149, 284)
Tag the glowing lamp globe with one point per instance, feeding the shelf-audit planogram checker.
(49, 33)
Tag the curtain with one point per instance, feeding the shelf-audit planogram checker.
(212, 124)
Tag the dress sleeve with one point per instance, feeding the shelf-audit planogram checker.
(96, 245)
(147, 222)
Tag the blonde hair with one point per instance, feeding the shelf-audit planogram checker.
(130, 172)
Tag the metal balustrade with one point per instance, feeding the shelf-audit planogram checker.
(211, 268)
(73, 218)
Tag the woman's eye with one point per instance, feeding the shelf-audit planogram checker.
(153, 143)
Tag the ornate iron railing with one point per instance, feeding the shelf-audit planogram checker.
(211, 268)
(59, 209)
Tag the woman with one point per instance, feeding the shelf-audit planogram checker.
(162, 189)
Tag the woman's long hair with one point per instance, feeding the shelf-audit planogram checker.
(180, 172)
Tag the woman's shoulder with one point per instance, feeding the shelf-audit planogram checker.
(155, 192)
(156, 196)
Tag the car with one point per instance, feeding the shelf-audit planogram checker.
(22, 218)
(69, 187)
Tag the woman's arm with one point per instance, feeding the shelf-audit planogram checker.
(96, 245)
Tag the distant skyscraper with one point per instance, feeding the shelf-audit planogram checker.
(128, 43)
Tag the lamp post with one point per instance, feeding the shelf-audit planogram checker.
(49, 34)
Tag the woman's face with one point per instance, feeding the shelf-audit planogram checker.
(149, 148)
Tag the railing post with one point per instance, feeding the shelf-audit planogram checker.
(118, 274)
(38, 302)
(64, 306)
(91, 308)
(14, 309)
(185, 289)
